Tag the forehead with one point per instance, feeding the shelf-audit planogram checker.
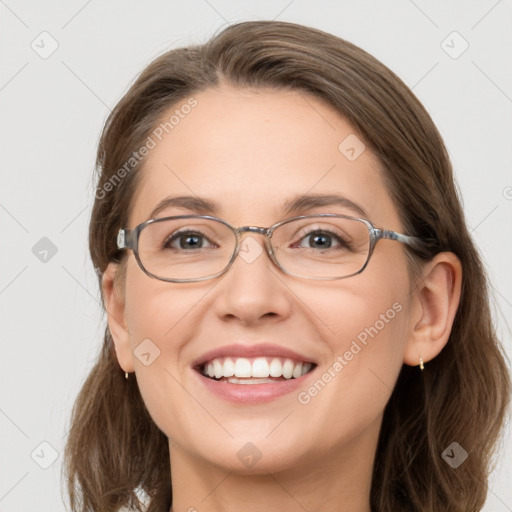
(251, 152)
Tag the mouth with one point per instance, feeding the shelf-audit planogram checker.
(256, 370)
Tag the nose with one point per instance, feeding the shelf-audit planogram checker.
(252, 288)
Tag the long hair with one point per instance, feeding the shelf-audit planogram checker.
(115, 452)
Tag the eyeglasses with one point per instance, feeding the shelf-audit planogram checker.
(189, 248)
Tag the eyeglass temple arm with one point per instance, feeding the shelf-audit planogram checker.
(124, 239)
(413, 241)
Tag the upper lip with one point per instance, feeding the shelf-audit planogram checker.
(240, 350)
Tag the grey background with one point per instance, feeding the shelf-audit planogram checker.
(52, 111)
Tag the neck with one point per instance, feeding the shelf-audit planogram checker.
(338, 481)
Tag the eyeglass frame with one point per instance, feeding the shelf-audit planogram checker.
(129, 239)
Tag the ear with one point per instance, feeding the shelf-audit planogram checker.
(436, 299)
(114, 300)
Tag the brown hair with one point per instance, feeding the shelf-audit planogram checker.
(114, 449)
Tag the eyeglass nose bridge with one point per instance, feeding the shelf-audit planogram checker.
(258, 230)
(254, 229)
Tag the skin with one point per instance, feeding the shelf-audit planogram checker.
(251, 150)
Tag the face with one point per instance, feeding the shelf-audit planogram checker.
(252, 151)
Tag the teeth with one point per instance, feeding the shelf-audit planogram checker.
(260, 367)
(234, 380)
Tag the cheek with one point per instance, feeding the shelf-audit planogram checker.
(160, 312)
(364, 324)
(146, 315)
(369, 332)
(161, 322)
(150, 313)
(365, 318)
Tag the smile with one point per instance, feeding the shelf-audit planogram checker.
(258, 370)
(251, 390)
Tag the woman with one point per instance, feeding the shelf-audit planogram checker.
(343, 360)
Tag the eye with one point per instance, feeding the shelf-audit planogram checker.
(186, 239)
(322, 239)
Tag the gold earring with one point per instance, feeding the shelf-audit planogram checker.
(126, 375)
(421, 364)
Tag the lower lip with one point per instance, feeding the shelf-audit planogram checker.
(253, 393)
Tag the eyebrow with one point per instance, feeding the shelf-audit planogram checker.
(295, 205)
